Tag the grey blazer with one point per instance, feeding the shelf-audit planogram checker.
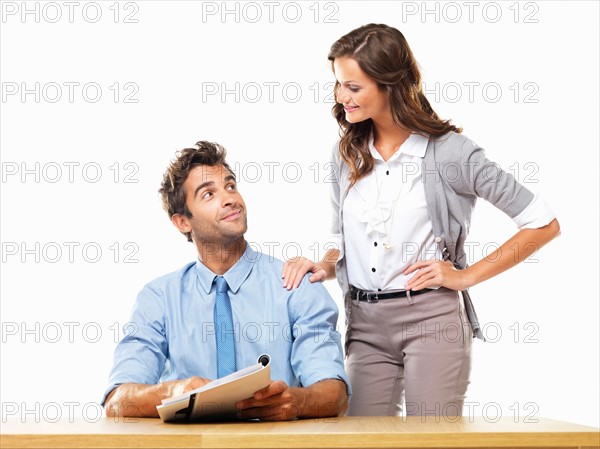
(455, 173)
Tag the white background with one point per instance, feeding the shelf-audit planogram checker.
(541, 318)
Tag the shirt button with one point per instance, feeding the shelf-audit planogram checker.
(387, 172)
(438, 239)
(375, 243)
(373, 270)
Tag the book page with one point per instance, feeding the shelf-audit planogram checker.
(215, 383)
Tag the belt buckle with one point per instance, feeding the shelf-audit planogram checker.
(374, 300)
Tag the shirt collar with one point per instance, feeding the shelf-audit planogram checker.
(414, 145)
(235, 276)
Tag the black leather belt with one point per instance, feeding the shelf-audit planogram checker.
(366, 296)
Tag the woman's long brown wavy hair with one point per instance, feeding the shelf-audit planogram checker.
(383, 54)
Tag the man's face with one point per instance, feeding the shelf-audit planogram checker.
(218, 210)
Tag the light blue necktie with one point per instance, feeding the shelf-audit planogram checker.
(224, 330)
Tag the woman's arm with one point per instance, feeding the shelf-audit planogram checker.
(518, 248)
(295, 269)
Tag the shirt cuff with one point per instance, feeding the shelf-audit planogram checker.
(107, 392)
(535, 215)
(324, 375)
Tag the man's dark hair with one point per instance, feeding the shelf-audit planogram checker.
(171, 189)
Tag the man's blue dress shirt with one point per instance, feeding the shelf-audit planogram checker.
(174, 334)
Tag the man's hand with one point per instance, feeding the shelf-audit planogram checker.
(179, 387)
(279, 402)
(140, 400)
(276, 402)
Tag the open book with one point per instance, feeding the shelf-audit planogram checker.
(217, 399)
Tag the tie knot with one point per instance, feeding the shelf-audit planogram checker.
(221, 284)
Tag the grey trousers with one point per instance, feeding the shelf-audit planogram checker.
(417, 349)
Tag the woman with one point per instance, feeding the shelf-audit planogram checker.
(406, 186)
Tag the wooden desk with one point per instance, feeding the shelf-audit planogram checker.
(350, 432)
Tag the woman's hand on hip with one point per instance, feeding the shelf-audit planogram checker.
(295, 269)
(431, 273)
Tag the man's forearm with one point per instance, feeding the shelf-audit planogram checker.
(137, 400)
(325, 398)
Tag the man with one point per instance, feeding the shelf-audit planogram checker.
(183, 338)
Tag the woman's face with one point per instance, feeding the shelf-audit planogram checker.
(359, 94)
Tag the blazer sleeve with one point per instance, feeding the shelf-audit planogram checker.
(486, 179)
